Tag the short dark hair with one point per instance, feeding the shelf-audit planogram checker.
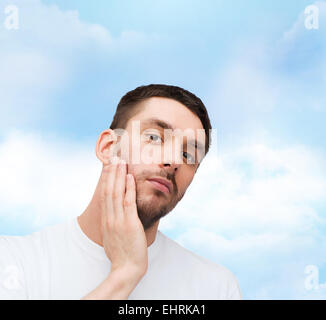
(129, 103)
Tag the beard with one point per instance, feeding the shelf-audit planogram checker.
(153, 208)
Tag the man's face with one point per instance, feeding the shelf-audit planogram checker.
(163, 156)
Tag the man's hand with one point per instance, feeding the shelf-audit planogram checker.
(124, 239)
(123, 235)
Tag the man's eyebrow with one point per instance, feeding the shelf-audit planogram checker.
(158, 122)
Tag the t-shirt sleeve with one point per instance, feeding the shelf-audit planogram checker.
(12, 283)
(235, 291)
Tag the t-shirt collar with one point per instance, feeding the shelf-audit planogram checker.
(97, 251)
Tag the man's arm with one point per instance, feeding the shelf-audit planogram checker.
(124, 238)
(117, 286)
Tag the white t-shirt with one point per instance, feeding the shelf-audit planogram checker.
(61, 262)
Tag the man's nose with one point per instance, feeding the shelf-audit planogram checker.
(172, 159)
(171, 168)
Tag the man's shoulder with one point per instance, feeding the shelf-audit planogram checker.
(190, 262)
(175, 248)
(34, 241)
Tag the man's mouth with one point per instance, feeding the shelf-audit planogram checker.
(161, 184)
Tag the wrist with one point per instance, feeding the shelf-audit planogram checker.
(124, 279)
(128, 272)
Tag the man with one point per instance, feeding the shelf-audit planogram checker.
(114, 250)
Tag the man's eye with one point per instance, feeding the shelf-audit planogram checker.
(154, 137)
(190, 159)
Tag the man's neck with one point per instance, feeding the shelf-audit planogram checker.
(90, 223)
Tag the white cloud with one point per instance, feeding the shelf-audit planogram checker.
(43, 179)
(256, 187)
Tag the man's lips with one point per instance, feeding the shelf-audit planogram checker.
(161, 184)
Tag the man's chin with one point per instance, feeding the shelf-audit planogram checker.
(149, 219)
(154, 198)
(151, 210)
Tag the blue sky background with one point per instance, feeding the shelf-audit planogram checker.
(258, 205)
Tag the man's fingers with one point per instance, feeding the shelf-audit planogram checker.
(118, 192)
(107, 170)
(109, 173)
(130, 196)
